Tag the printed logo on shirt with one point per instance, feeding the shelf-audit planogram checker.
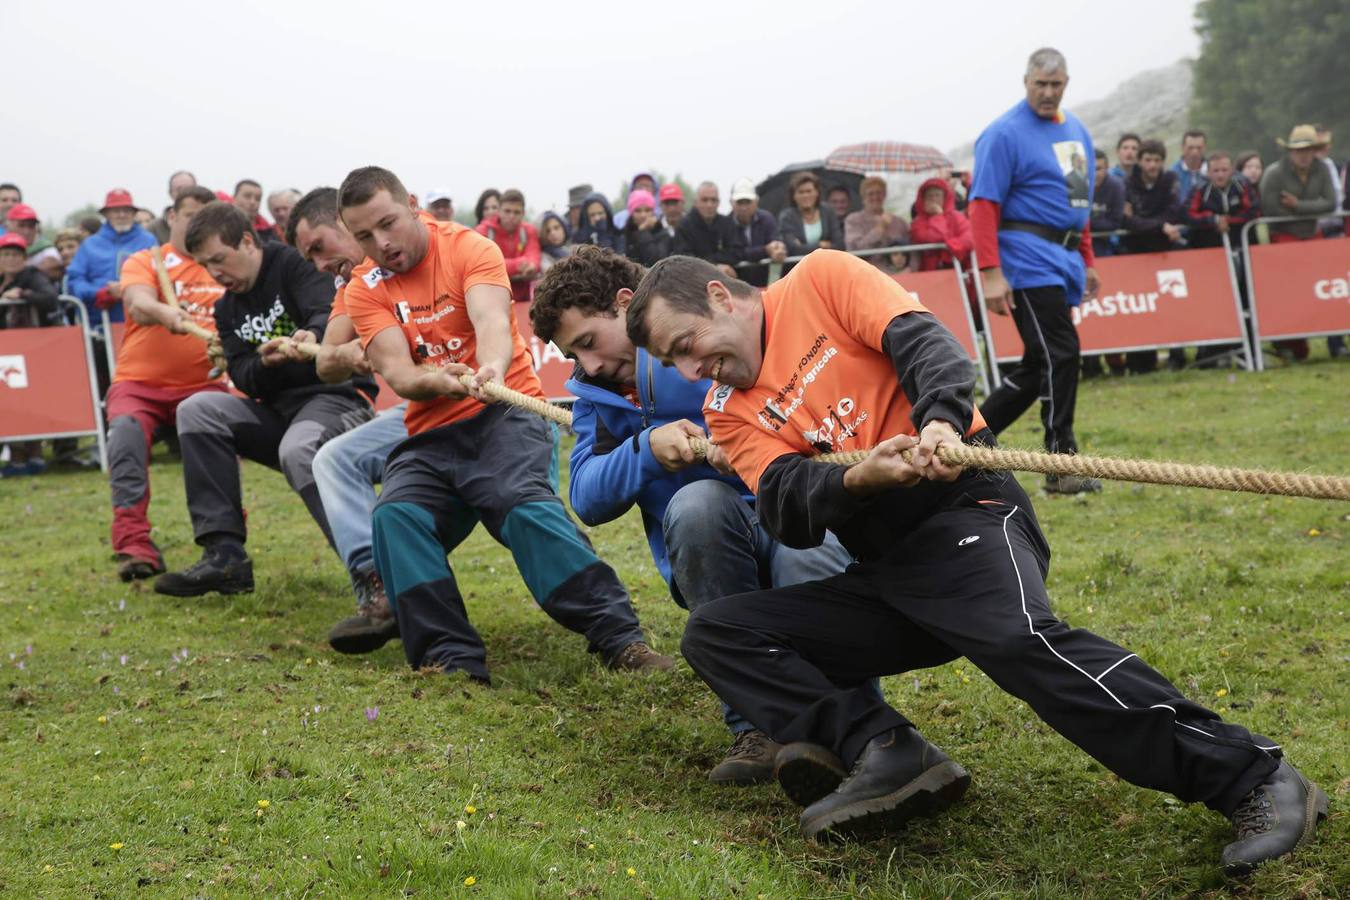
(1073, 164)
(172, 259)
(1173, 282)
(402, 312)
(14, 371)
(375, 276)
(721, 394)
(968, 540)
(259, 329)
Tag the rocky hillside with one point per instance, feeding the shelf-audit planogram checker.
(1153, 104)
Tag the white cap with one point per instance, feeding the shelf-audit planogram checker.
(432, 196)
(743, 189)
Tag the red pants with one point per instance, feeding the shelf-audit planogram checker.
(135, 410)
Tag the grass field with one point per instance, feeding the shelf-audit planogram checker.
(218, 747)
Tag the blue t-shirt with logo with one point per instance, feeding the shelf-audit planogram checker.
(1037, 170)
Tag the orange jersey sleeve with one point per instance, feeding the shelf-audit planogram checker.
(861, 297)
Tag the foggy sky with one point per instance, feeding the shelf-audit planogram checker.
(524, 94)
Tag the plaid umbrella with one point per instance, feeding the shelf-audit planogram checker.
(886, 156)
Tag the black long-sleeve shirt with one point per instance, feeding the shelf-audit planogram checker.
(288, 295)
(799, 499)
(714, 241)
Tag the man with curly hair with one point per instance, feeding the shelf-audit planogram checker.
(634, 420)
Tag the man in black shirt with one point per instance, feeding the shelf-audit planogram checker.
(707, 233)
(274, 299)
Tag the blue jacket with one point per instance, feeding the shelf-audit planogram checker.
(612, 465)
(99, 261)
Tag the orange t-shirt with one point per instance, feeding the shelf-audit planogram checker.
(427, 304)
(826, 384)
(154, 355)
(339, 300)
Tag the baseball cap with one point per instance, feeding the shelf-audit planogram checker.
(670, 192)
(10, 239)
(117, 198)
(22, 212)
(224, 197)
(743, 189)
(435, 196)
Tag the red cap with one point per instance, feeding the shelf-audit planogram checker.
(118, 198)
(670, 192)
(10, 239)
(224, 197)
(22, 212)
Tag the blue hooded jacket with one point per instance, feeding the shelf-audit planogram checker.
(604, 236)
(99, 261)
(612, 464)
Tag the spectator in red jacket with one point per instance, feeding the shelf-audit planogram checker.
(518, 241)
(936, 221)
(1219, 205)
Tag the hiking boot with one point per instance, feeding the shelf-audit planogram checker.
(1072, 484)
(898, 776)
(137, 568)
(749, 761)
(213, 572)
(1279, 814)
(374, 624)
(638, 657)
(807, 772)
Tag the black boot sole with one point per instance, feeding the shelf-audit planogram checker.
(231, 587)
(929, 794)
(356, 639)
(808, 772)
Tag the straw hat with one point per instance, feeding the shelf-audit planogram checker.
(1301, 137)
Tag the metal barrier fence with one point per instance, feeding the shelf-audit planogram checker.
(1335, 268)
(37, 394)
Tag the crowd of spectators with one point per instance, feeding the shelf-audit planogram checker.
(1140, 205)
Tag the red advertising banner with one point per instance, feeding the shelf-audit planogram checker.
(44, 382)
(550, 365)
(1147, 300)
(940, 292)
(1301, 288)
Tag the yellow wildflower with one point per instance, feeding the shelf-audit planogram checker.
(103, 720)
(117, 846)
(263, 804)
(470, 881)
(632, 872)
(1221, 692)
(470, 809)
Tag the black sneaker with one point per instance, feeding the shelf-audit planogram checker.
(807, 772)
(898, 776)
(1279, 814)
(212, 572)
(749, 761)
(374, 624)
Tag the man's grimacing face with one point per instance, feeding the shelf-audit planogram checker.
(723, 346)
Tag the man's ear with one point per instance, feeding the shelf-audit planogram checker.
(719, 297)
(622, 298)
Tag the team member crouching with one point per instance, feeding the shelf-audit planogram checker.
(159, 365)
(435, 303)
(633, 419)
(837, 356)
(272, 298)
(348, 467)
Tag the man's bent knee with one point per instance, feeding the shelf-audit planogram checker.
(205, 413)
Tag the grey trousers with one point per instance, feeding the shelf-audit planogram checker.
(215, 428)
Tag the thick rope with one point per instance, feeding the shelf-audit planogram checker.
(1288, 484)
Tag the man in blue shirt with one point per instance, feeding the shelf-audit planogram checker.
(634, 419)
(1191, 168)
(93, 273)
(1030, 205)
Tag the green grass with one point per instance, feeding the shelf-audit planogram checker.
(578, 775)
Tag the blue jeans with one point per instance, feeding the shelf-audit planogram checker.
(718, 547)
(346, 471)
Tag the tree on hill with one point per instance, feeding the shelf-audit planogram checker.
(1265, 67)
